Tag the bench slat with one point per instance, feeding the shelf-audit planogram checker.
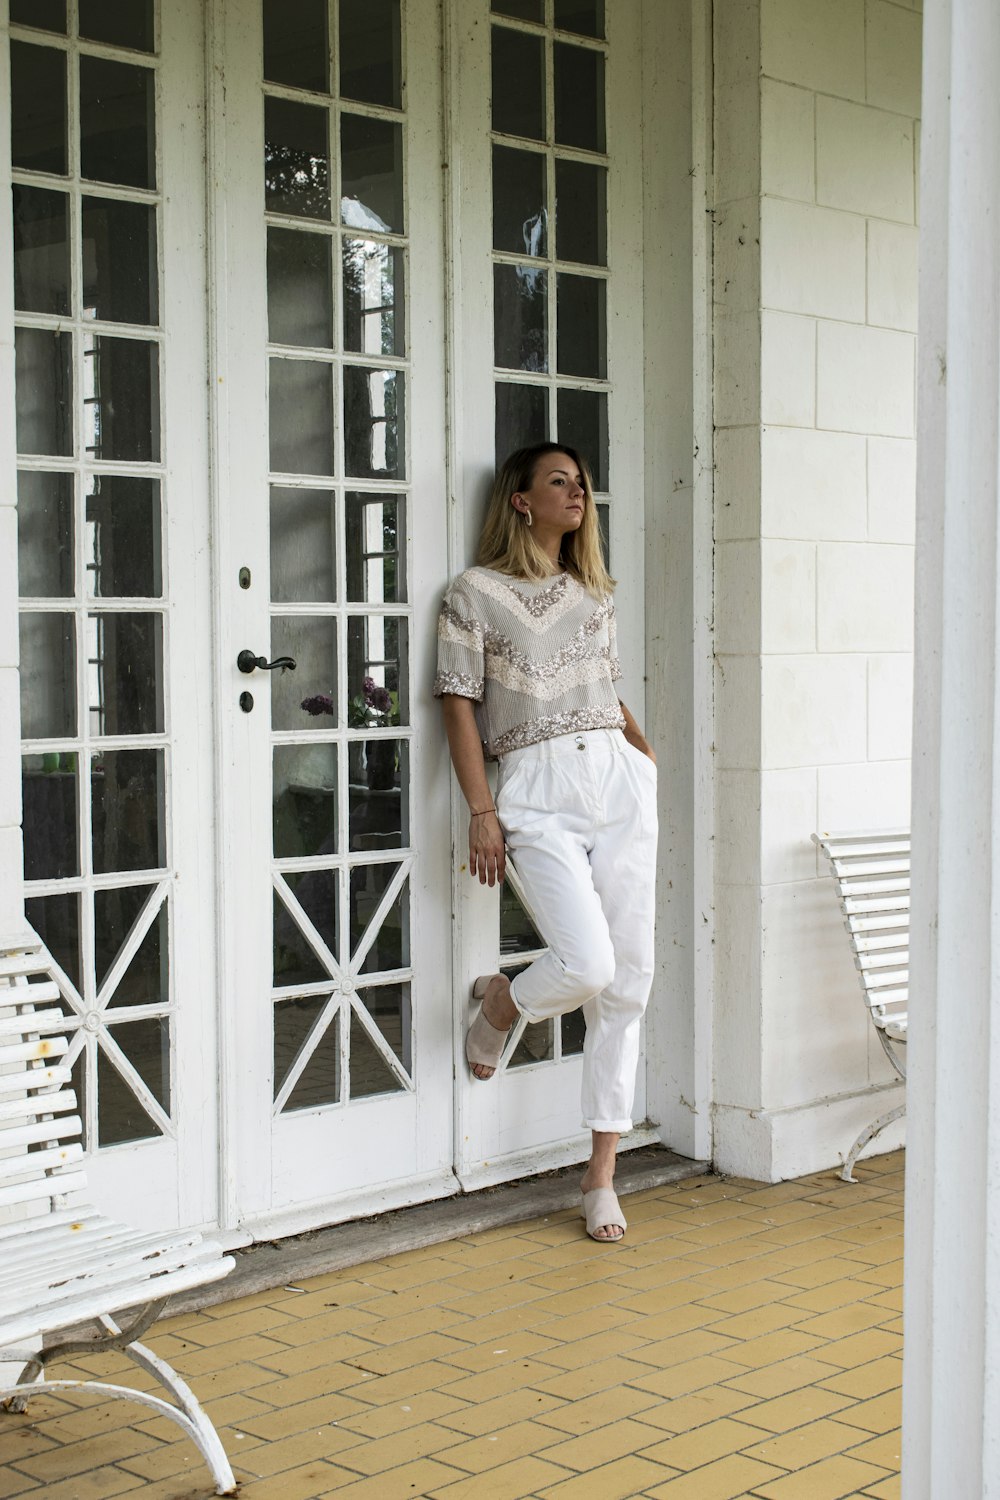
(37, 1104)
(94, 1303)
(46, 1220)
(34, 1079)
(109, 1266)
(32, 1021)
(34, 1051)
(35, 1163)
(18, 1136)
(55, 1186)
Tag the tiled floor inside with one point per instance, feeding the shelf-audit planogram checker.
(744, 1341)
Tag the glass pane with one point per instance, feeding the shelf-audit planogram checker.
(537, 1045)
(296, 159)
(123, 23)
(585, 17)
(522, 417)
(304, 801)
(316, 893)
(391, 948)
(374, 423)
(146, 1045)
(574, 1031)
(370, 1073)
(579, 97)
(377, 671)
(520, 321)
(120, 1116)
(43, 389)
(145, 981)
(127, 796)
(49, 796)
(583, 424)
(307, 697)
(123, 541)
(520, 219)
(294, 960)
(296, 44)
(581, 319)
(371, 164)
(41, 250)
(125, 673)
(518, 83)
(301, 417)
(303, 546)
(376, 548)
(582, 213)
(319, 1082)
(299, 289)
(56, 919)
(121, 398)
(117, 122)
(119, 261)
(517, 931)
(521, 10)
(379, 798)
(370, 51)
(44, 535)
(389, 1007)
(38, 108)
(48, 676)
(47, 15)
(373, 298)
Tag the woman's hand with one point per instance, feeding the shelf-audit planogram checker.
(487, 855)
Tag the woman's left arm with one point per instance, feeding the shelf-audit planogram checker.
(634, 734)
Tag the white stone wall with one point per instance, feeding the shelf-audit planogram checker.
(814, 543)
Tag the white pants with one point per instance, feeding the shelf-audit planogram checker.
(579, 816)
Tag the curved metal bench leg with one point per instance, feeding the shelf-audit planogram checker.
(868, 1134)
(195, 1423)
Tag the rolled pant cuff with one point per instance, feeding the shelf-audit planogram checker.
(609, 1127)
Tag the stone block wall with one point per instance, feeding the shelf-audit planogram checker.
(815, 294)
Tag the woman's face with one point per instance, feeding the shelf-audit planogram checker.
(557, 497)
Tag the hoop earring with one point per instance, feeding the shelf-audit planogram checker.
(527, 518)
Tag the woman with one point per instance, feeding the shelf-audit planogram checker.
(526, 668)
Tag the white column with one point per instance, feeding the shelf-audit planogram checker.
(951, 1435)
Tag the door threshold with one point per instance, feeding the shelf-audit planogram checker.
(263, 1266)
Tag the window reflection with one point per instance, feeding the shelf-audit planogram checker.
(376, 548)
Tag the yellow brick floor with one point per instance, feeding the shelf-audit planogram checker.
(745, 1340)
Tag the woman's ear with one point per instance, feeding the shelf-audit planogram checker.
(518, 503)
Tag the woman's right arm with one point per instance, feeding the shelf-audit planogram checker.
(486, 845)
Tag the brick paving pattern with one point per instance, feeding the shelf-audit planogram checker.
(745, 1340)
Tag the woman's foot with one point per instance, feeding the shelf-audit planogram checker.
(499, 1012)
(600, 1175)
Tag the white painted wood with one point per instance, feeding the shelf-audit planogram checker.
(677, 248)
(300, 1167)
(530, 1113)
(951, 1442)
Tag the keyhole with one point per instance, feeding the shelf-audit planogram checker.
(246, 702)
(244, 576)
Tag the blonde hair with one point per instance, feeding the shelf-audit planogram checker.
(507, 544)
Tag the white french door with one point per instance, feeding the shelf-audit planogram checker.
(112, 485)
(337, 1061)
(548, 292)
(272, 330)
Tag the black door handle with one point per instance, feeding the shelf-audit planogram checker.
(247, 662)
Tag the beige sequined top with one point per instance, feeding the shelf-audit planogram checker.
(539, 659)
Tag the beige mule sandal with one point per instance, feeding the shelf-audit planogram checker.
(485, 1043)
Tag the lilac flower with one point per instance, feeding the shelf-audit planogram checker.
(320, 703)
(377, 698)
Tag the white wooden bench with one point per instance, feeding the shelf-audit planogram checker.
(872, 871)
(63, 1264)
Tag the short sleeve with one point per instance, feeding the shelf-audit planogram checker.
(461, 664)
(613, 662)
